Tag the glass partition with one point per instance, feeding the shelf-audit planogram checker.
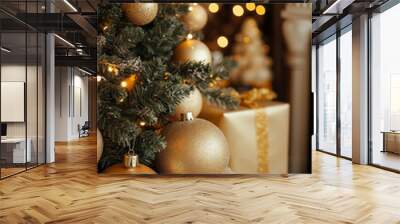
(385, 89)
(346, 93)
(22, 88)
(326, 128)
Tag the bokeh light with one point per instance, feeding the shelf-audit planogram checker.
(222, 41)
(238, 10)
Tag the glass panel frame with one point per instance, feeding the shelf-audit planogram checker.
(384, 71)
(326, 106)
(340, 83)
(27, 57)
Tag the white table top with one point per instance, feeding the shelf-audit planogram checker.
(13, 140)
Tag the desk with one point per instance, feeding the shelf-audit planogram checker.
(13, 150)
(391, 141)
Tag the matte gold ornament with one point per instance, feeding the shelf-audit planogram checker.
(191, 103)
(196, 18)
(140, 13)
(192, 50)
(99, 145)
(194, 146)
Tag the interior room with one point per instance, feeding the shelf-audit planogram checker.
(61, 112)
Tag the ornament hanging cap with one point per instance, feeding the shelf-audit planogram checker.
(187, 116)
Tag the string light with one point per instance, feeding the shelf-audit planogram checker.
(189, 36)
(260, 10)
(129, 83)
(190, 8)
(99, 78)
(213, 7)
(124, 84)
(142, 123)
(238, 10)
(110, 68)
(222, 41)
(105, 28)
(250, 6)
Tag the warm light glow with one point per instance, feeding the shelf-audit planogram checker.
(213, 7)
(105, 27)
(110, 68)
(189, 36)
(260, 10)
(250, 6)
(222, 41)
(129, 83)
(142, 123)
(99, 78)
(190, 8)
(238, 10)
(124, 84)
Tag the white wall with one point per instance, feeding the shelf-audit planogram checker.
(33, 127)
(71, 103)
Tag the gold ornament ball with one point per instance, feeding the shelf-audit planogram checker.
(193, 147)
(99, 145)
(196, 18)
(140, 13)
(192, 50)
(191, 103)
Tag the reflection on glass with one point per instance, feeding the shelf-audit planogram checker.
(31, 101)
(14, 153)
(346, 94)
(41, 99)
(385, 84)
(327, 96)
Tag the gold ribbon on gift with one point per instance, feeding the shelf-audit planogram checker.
(256, 98)
(261, 124)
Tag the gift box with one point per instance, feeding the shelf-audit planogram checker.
(258, 138)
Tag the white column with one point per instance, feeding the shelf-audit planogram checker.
(360, 90)
(50, 99)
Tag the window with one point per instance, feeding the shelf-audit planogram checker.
(346, 93)
(326, 137)
(385, 89)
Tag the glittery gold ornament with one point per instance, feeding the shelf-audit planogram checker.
(192, 50)
(194, 146)
(140, 13)
(191, 103)
(196, 18)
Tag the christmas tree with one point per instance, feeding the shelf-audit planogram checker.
(140, 80)
(251, 55)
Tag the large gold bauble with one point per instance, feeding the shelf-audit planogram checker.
(196, 18)
(121, 169)
(140, 13)
(192, 50)
(191, 103)
(99, 145)
(193, 147)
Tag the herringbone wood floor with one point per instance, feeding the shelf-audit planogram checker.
(70, 191)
